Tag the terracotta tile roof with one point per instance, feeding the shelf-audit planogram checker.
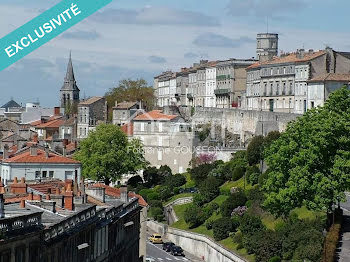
(68, 122)
(155, 115)
(25, 157)
(115, 192)
(46, 186)
(128, 129)
(291, 58)
(124, 105)
(71, 147)
(90, 101)
(51, 124)
(40, 121)
(331, 77)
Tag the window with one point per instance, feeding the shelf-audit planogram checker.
(160, 155)
(160, 141)
(44, 173)
(51, 174)
(37, 174)
(160, 126)
(312, 104)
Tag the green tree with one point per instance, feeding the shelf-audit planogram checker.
(222, 227)
(194, 216)
(310, 163)
(255, 149)
(106, 154)
(131, 90)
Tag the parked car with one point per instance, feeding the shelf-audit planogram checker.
(148, 259)
(156, 239)
(167, 246)
(177, 251)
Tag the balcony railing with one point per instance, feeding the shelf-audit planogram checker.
(222, 92)
(20, 222)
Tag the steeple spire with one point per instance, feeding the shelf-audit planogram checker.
(69, 80)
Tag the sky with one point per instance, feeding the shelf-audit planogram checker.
(142, 38)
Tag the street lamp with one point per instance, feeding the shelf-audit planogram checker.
(324, 232)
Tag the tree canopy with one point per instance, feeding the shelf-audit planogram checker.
(131, 90)
(106, 154)
(310, 163)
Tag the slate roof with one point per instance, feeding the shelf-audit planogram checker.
(10, 104)
(69, 81)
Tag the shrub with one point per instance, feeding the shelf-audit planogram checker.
(275, 259)
(236, 199)
(201, 172)
(160, 218)
(176, 180)
(155, 211)
(238, 237)
(176, 190)
(213, 206)
(194, 216)
(221, 228)
(152, 196)
(164, 192)
(332, 239)
(251, 173)
(267, 245)
(199, 200)
(210, 188)
(145, 192)
(209, 224)
(251, 224)
(155, 203)
(238, 173)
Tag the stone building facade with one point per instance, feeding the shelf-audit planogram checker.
(280, 84)
(91, 112)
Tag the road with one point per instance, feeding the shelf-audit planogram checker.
(155, 252)
(343, 251)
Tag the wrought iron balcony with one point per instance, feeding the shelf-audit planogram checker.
(222, 92)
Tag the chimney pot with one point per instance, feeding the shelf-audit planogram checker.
(30, 196)
(23, 180)
(15, 180)
(57, 111)
(34, 150)
(22, 204)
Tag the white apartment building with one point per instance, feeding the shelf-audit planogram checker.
(280, 84)
(319, 88)
(210, 87)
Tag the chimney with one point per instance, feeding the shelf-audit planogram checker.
(64, 146)
(57, 111)
(6, 152)
(48, 197)
(124, 194)
(116, 103)
(30, 196)
(300, 53)
(57, 191)
(22, 204)
(47, 154)
(23, 180)
(34, 150)
(69, 198)
(15, 180)
(35, 138)
(2, 206)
